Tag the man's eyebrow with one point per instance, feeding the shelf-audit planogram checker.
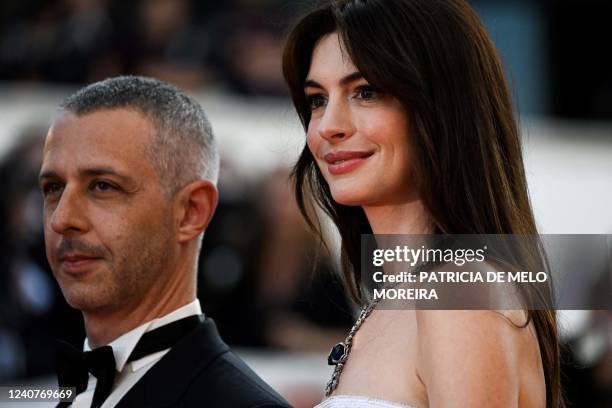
(48, 174)
(89, 172)
(104, 171)
(347, 79)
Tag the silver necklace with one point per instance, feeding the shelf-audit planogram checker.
(339, 354)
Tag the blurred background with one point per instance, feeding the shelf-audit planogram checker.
(256, 273)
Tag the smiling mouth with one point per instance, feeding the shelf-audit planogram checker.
(344, 162)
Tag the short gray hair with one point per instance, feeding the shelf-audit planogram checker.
(183, 148)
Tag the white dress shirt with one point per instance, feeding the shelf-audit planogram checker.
(129, 374)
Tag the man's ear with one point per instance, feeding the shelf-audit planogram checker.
(196, 205)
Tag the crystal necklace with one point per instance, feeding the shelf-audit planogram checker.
(339, 354)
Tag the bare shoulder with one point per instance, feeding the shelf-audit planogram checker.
(473, 357)
(490, 330)
(503, 329)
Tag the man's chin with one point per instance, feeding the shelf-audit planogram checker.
(85, 298)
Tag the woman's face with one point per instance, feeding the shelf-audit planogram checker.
(358, 135)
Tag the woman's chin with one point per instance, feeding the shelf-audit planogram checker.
(348, 198)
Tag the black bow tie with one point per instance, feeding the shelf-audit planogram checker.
(74, 366)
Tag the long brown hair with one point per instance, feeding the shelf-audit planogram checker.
(436, 58)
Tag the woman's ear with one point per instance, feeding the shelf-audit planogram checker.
(196, 204)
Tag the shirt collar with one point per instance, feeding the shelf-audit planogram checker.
(125, 344)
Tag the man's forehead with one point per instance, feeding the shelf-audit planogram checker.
(103, 128)
(110, 137)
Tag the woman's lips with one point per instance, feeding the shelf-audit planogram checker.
(345, 161)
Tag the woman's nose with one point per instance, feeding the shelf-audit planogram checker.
(336, 123)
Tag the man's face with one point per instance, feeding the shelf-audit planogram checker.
(109, 228)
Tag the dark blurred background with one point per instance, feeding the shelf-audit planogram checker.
(260, 277)
(557, 51)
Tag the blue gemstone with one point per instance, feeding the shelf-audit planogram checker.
(337, 354)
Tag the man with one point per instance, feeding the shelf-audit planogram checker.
(128, 179)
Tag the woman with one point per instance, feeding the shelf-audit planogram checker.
(411, 130)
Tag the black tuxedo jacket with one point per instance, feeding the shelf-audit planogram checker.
(201, 371)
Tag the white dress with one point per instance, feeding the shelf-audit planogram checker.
(359, 401)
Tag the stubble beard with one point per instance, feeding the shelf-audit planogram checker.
(127, 277)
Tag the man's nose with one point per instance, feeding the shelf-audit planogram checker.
(336, 123)
(69, 216)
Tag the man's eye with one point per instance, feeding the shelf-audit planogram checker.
(102, 186)
(316, 101)
(367, 93)
(51, 189)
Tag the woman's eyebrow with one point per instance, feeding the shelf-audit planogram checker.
(347, 79)
(309, 83)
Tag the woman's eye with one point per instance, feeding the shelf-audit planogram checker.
(367, 93)
(316, 101)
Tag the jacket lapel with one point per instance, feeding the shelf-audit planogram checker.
(167, 380)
